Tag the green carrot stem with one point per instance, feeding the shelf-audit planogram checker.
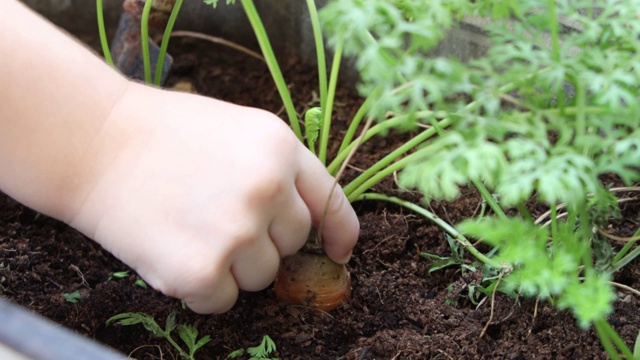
(103, 34)
(378, 168)
(610, 338)
(623, 257)
(378, 128)
(606, 341)
(144, 40)
(272, 64)
(320, 54)
(488, 197)
(327, 111)
(165, 41)
(617, 341)
(360, 184)
(354, 190)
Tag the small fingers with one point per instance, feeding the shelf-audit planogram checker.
(215, 299)
(341, 227)
(290, 228)
(256, 265)
(203, 282)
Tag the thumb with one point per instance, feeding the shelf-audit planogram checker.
(340, 227)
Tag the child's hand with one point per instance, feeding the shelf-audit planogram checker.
(199, 196)
(203, 198)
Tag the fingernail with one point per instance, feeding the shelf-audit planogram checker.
(345, 259)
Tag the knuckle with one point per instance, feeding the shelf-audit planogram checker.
(283, 141)
(269, 188)
(201, 272)
(242, 235)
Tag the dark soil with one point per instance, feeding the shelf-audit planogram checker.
(398, 309)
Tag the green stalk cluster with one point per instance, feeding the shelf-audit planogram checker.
(144, 39)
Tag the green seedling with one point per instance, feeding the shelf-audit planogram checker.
(141, 283)
(118, 275)
(456, 258)
(261, 352)
(73, 297)
(187, 333)
(125, 274)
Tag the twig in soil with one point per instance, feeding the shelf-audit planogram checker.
(618, 238)
(360, 170)
(384, 216)
(613, 190)
(493, 299)
(478, 207)
(547, 213)
(513, 310)
(130, 356)
(280, 111)
(444, 353)
(378, 244)
(625, 287)
(446, 214)
(77, 270)
(560, 216)
(217, 40)
(626, 188)
(404, 189)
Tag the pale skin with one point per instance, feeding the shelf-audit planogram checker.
(201, 197)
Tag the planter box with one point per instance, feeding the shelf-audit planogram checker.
(24, 335)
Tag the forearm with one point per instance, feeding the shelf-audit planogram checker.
(55, 97)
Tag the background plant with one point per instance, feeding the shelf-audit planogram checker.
(548, 112)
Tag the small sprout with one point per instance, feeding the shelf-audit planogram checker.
(189, 336)
(141, 283)
(73, 297)
(260, 352)
(214, 3)
(234, 354)
(118, 275)
(312, 126)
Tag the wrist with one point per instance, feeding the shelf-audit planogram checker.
(56, 96)
(119, 126)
